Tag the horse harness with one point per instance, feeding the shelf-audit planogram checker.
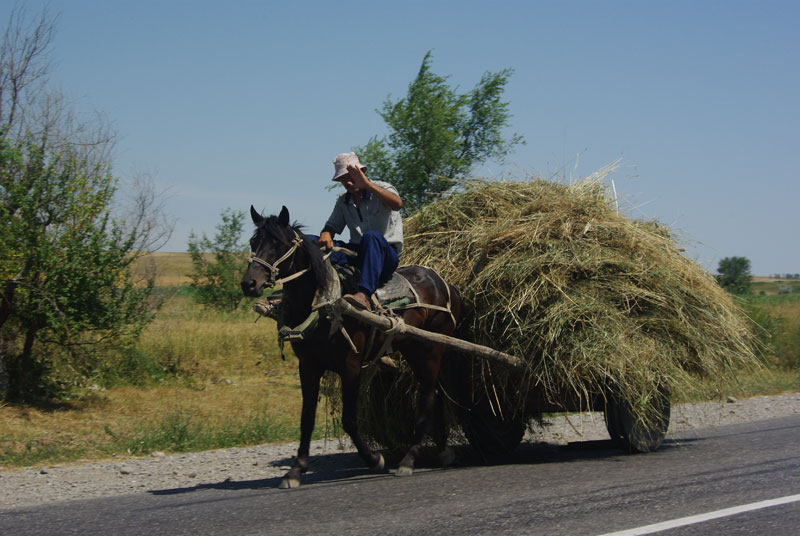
(324, 301)
(389, 308)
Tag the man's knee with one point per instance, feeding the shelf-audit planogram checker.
(372, 236)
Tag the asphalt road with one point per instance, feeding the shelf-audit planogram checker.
(587, 488)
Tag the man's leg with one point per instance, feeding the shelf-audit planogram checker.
(377, 262)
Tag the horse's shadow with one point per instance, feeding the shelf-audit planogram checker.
(335, 467)
(347, 467)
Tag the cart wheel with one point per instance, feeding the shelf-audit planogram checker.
(630, 434)
(490, 434)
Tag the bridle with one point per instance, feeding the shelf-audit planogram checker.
(272, 269)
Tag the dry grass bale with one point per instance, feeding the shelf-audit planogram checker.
(591, 299)
(595, 302)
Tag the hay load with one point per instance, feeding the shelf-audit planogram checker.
(596, 303)
(590, 298)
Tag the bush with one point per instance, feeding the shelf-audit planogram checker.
(217, 282)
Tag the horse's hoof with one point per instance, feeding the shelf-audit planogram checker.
(289, 483)
(404, 470)
(447, 456)
(379, 465)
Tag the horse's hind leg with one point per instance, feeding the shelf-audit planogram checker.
(309, 383)
(426, 403)
(428, 373)
(350, 383)
(440, 426)
(446, 454)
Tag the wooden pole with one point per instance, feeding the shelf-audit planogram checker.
(401, 328)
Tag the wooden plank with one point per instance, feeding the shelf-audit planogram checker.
(400, 328)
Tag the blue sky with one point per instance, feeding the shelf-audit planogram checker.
(228, 104)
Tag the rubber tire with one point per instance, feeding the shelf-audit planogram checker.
(630, 435)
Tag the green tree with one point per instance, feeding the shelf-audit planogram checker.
(734, 274)
(68, 296)
(438, 135)
(67, 286)
(217, 281)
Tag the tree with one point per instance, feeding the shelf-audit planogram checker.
(66, 266)
(67, 292)
(438, 135)
(218, 282)
(734, 274)
(24, 67)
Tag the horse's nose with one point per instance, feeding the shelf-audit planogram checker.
(249, 287)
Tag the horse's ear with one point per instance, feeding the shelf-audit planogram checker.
(283, 217)
(257, 218)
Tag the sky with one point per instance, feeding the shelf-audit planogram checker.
(228, 104)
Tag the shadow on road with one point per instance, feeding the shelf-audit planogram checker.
(341, 467)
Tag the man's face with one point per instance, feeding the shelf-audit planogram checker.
(348, 183)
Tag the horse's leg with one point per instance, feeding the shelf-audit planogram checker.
(446, 454)
(427, 371)
(440, 431)
(350, 381)
(310, 377)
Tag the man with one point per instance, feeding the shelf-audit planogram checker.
(370, 210)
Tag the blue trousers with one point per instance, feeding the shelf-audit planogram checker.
(377, 260)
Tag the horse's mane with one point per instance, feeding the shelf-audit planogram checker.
(271, 226)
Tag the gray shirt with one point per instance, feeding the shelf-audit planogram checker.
(370, 215)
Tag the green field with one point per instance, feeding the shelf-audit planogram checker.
(202, 379)
(768, 286)
(779, 317)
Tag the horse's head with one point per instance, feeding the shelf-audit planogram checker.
(280, 253)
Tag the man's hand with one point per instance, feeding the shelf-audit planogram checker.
(325, 240)
(357, 177)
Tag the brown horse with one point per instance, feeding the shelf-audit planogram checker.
(282, 253)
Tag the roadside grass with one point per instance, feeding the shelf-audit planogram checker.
(134, 420)
(137, 421)
(201, 379)
(184, 431)
(198, 379)
(766, 381)
(778, 316)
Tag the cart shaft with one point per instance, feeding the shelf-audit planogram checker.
(342, 307)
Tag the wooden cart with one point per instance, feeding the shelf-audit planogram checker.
(496, 433)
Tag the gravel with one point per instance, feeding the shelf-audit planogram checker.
(255, 466)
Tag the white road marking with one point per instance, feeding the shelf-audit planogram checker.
(683, 521)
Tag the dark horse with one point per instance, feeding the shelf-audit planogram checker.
(280, 251)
